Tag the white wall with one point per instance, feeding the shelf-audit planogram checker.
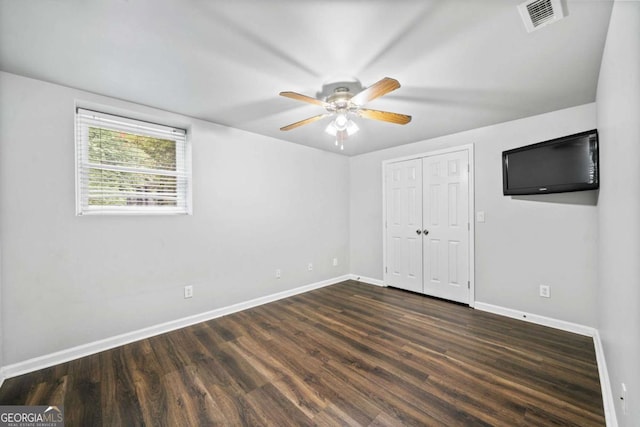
(259, 204)
(1, 321)
(618, 100)
(524, 242)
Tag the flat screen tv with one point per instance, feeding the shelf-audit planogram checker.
(559, 165)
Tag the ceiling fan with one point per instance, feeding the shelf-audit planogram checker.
(344, 99)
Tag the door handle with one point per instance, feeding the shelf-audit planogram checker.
(418, 231)
(425, 231)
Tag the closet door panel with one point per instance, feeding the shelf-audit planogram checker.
(446, 226)
(403, 184)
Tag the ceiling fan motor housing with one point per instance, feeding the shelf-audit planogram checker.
(339, 90)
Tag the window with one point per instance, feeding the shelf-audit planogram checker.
(130, 166)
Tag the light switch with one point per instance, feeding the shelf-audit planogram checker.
(480, 216)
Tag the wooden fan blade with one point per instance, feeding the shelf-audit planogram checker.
(385, 116)
(376, 90)
(304, 98)
(304, 122)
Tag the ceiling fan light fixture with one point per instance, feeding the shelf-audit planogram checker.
(352, 127)
(342, 124)
(341, 121)
(331, 129)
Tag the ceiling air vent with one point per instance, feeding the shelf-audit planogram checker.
(539, 13)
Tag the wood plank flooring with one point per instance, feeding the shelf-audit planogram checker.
(348, 354)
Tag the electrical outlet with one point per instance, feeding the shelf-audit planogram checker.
(310, 267)
(335, 262)
(545, 291)
(278, 273)
(623, 398)
(188, 291)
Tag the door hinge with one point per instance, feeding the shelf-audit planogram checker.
(468, 284)
(385, 270)
(468, 226)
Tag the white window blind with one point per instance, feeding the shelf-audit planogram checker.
(130, 166)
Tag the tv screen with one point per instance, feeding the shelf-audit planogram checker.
(560, 165)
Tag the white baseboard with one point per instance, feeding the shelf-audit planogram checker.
(605, 383)
(66, 355)
(367, 280)
(537, 319)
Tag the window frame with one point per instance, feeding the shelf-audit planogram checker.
(127, 124)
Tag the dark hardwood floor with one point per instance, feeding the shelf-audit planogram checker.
(348, 354)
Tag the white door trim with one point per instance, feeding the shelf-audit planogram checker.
(469, 148)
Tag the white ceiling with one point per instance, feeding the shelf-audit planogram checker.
(462, 64)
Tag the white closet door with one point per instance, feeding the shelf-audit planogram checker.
(404, 225)
(446, 226)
